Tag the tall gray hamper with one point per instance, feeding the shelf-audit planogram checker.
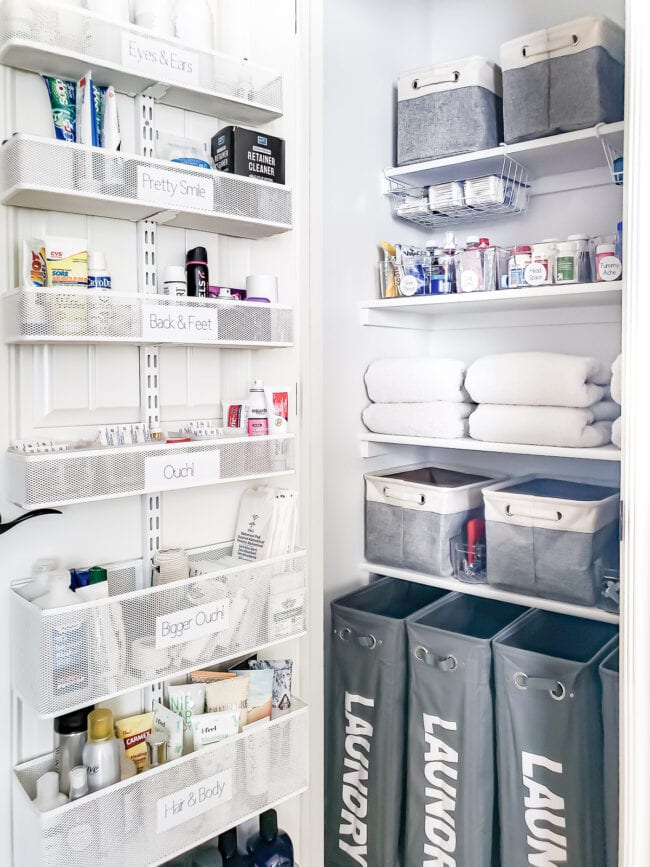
(448, 109)
(550, 740)
(550, 537)
(609, 681)
(451, 788)
(562, 79)
(412, 514)
(367, 723)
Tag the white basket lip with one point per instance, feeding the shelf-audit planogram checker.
(496, 490)
(298, 709)
(297, 553)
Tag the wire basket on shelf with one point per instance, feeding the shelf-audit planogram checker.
(614, 157)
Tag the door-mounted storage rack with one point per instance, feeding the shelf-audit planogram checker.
(65, 41)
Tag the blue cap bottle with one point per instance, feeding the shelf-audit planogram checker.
(271, 847)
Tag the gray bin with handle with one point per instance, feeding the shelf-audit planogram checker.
(451, 815)
(550, 537)
(609, 681)
(550, 740)
(413, 513)
(366, 717)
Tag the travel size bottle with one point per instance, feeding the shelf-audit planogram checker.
(271, 847)
(258, 416)
(70, 736)
(100, 755)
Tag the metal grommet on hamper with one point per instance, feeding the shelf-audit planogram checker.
(519, 679)
(449, 663)
(421, 653)
(345, 634)
(368, 641)
(558, 694)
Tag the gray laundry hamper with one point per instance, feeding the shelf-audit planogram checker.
(550, 537)
(366, 716)
(609, 681)
(550, 740)
(562, 79)
(413, 513)
(448, 109)
(451, 781)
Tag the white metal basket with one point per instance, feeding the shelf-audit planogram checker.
(101, 474)
(66, 41)
(162, 812)
(84, 316)
(47, 174)
(71, 657)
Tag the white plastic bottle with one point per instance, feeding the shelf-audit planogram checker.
(258, 417)
(193, 23)
(128, 768)
(48, 795)
(40, 580)
(174, 282)
(78, 782)
(101, 755)
(58, 594)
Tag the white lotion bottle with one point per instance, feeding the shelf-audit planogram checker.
(78, 782)
(101, 756)
(48, 795)
(258, 417)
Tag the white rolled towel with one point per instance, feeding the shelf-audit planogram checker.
(442, 419)
(537, 379)
(616, 380)
(416, 380)
(539, 426)
(617, 432)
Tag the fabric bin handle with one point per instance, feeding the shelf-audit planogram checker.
(417, 499)
(555, 688)
(532, 511)
(432, 81)
(368, 641)
(444, 663)
(535, 50)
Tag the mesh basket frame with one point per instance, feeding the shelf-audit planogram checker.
(56, 838)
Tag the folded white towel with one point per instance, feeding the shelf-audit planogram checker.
(617, 432)
(416, 380)
(441, 419)
(539, 426)
(537, 379)
(616, 380)
(605, 410)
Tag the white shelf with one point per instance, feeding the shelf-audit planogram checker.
(48, 174)
(555, 155)
(601, 453)
(489, 592)
(31, 316)
(65, 42)
(472, 309)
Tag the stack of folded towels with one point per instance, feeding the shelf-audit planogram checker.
(541, 398)
(417, 397)
(617, 396)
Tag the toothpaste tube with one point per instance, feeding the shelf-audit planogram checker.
(63, 98)
(87, 128)
(110, 125)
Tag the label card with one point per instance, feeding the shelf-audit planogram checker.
(168, 472)
(286, 613)
(174, 189)
(179, 322)
(186, 804)
(181, 626)
(160, 60)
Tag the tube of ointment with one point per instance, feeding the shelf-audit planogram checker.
(187, 700)
(169, 724)
(86, 114)
(210, 728)
(277, 407)
(110, 130)
(235, 417)
(63, 102)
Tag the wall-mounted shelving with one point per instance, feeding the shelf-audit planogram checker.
(489, 592)
(66, 41)
(51, 316)
(600, 453)
(53, 175)
(162, 812)
(132, 639)
(83, 475)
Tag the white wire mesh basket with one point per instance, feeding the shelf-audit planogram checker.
(66, 41)
(162, 812)
(86, 316)
(72, 657)
(503, 192)
(63, 478)
(48, 174)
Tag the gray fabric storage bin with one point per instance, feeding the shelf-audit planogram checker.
(451, 759)
(550, 740)
(609, 681)
(367, 723)
(549, 537)
(412, 514)
(448, 109)
(562, 79)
